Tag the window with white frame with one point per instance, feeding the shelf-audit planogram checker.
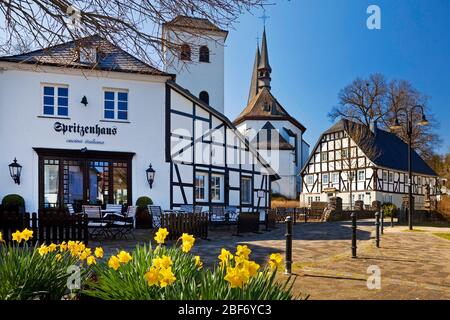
(325, 178)
(344, 153)
(324, 156)
(56, 100)
(310, 199)
(246, 190)
(115, 104)
(361, 175)
(201, 186)
(385, 176)
(217, 187)
(317, 198)
(335, 177)
(309, 179)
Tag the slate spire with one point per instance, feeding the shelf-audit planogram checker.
(264, 68)
(254, 83)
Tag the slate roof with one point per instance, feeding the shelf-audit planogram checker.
(268, 135)
(194, 23)
(264, 106)
(110, 57)
(391, 151)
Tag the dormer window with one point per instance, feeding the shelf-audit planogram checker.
(88, 55)
(204, 54)
(185, 53)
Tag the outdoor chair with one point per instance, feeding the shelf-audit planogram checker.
(114, 207)
(156, 213)
(217, 214)
(70, 209)
(96, 224)
(232, 212)
(125, 225)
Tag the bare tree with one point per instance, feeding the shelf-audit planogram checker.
(362, 101)
(367, 100)
(133, 25)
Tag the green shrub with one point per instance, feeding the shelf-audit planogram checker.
(389, 209)
(13, 202)
(143, 202)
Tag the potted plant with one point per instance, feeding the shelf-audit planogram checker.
(13, 203)
(143, 218)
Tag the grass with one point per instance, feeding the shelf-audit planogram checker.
(445, 236)
(414, 230)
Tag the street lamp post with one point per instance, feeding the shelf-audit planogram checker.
(409, 132)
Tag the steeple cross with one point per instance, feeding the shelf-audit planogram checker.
(264, 17)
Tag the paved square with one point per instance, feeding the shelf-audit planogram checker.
(413, 265)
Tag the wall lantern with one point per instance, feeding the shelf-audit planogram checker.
(15, 170)
(150, 175)
(84, 101)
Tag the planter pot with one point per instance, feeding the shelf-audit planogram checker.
(143, 219)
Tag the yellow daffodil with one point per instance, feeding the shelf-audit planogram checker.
(252, 268)
(237, 277)
(98, 252)
(43, 250)
(52, 247)
(124, 257)
(188, 242)
(63, 246)
(275, 261)
(243, 251)
(166, 277)
(114, 263)
(224, 257)
(91, 260)
(198, 262)
(17, 236)
(162, 262)
(58, 257)
(161, 235)
(1, 237)
(85, 254)
(27, 234)
(152, 276)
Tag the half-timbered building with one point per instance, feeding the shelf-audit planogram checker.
(85, 120)
(369, 164)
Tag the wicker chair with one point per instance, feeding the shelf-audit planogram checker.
(125, 225)
(96, 224)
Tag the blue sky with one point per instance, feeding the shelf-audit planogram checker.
(317, 47)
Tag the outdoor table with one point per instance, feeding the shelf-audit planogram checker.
(110, 212)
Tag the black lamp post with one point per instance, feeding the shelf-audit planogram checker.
(15, 170)
(409, 132)
(150, 175)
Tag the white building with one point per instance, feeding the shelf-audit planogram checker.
(199, 64)
(378, 165)
(269, 127)
(85, 128)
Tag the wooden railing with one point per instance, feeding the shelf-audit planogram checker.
(195, 224)
(47, 227)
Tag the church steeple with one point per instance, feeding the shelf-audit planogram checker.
(264, 68)
(254, 83)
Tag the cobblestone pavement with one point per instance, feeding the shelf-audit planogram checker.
(413, 265)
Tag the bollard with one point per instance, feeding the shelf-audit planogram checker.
(382, 221)
(354, 235)
(377, 227)
(288, 235)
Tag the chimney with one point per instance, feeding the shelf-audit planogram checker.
(374, 127)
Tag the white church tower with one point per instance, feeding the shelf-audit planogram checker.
(194, 52)
(277, 136)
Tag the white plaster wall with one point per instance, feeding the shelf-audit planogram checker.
(21, 128)
(199, 76)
